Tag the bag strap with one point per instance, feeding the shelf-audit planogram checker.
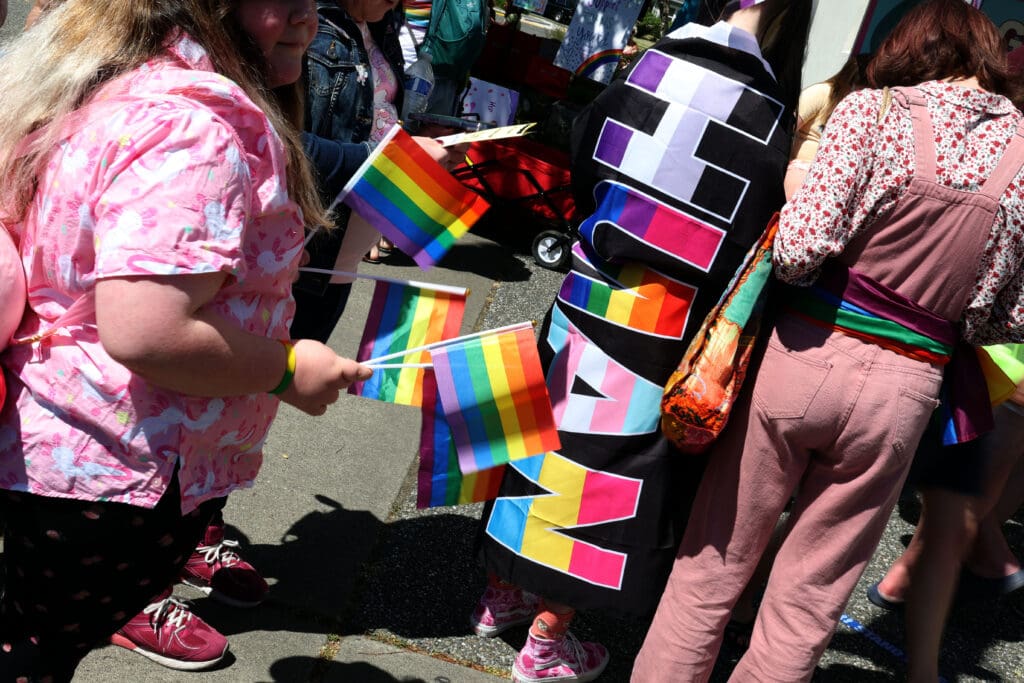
(435, 19)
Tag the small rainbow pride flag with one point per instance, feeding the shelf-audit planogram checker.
(411, 199)
(495, 400)
(439, 480)
(406, 316)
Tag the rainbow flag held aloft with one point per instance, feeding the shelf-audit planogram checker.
(406, 316)
(412, 199)
(439, 480)
(495, 400)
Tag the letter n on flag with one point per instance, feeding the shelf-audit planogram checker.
(412, 199)
(495, 400)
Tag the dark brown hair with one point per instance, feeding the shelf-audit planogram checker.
(853, 76)
(941, 39)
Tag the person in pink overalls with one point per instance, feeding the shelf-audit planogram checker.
(905, 245)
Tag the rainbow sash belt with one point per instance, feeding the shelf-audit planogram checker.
(851, 303)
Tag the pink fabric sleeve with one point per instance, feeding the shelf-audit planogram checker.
(177, 197)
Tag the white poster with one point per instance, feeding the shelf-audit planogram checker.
(595, 39)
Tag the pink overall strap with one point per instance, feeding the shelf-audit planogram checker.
(77, 313)
(924, 134)
(1009, 166)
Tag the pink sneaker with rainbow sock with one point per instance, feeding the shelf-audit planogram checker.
(563, 658)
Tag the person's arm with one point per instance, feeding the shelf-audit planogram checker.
(334, 162)
(162, 329)
(166, 246)
(807, 137)
(838, 193)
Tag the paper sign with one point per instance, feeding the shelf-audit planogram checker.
(489, 134)
(494, 104)
(595, 39)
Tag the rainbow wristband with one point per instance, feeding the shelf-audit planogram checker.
(289, 369)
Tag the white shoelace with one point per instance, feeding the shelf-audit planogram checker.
(169, 610)
(213, 553)
(572, 642)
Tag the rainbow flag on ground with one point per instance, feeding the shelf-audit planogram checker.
(439, 481)
(495, 400)
(412, 199)
(406, 316)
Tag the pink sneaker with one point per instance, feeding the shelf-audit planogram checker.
(500, 609)
(218, 571)
(169, 634)
(561, 659)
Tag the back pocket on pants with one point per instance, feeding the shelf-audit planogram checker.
(787, 382)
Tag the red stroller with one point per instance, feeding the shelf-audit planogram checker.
(533, 176)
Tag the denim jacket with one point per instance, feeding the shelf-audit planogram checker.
(339, 111)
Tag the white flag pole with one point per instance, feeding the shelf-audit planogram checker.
(461, 291)
(444, 342)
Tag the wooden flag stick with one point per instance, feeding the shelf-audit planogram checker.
(448, 289)
(446, 342)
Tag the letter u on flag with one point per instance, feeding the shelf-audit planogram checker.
(412, 199)
(406, 316)
(495, 400)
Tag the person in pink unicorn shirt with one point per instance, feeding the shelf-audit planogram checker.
(153, 173)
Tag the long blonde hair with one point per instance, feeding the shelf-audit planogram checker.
(78, 45)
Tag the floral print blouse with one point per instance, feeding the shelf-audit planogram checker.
(864, 167)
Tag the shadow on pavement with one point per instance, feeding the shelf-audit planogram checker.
(320, 671)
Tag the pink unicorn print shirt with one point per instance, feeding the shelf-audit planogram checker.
(172, 170)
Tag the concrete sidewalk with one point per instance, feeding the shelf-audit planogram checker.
(366, 588)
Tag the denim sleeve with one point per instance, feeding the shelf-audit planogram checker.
(335, 162)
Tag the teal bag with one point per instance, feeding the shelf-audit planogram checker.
(456, 35)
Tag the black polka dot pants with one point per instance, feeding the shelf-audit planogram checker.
(76, 571)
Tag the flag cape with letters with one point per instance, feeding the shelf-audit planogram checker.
(412, 199)
(494, 399)
(404, 317)
(439, 480)
(678, 166)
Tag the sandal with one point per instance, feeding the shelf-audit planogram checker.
(876, 598)
(384, 248)
(738, 634)
(975, 587)
(371, 258)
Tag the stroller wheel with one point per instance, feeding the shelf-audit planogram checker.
(551, 249)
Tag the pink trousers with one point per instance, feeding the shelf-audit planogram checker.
(835, 420)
